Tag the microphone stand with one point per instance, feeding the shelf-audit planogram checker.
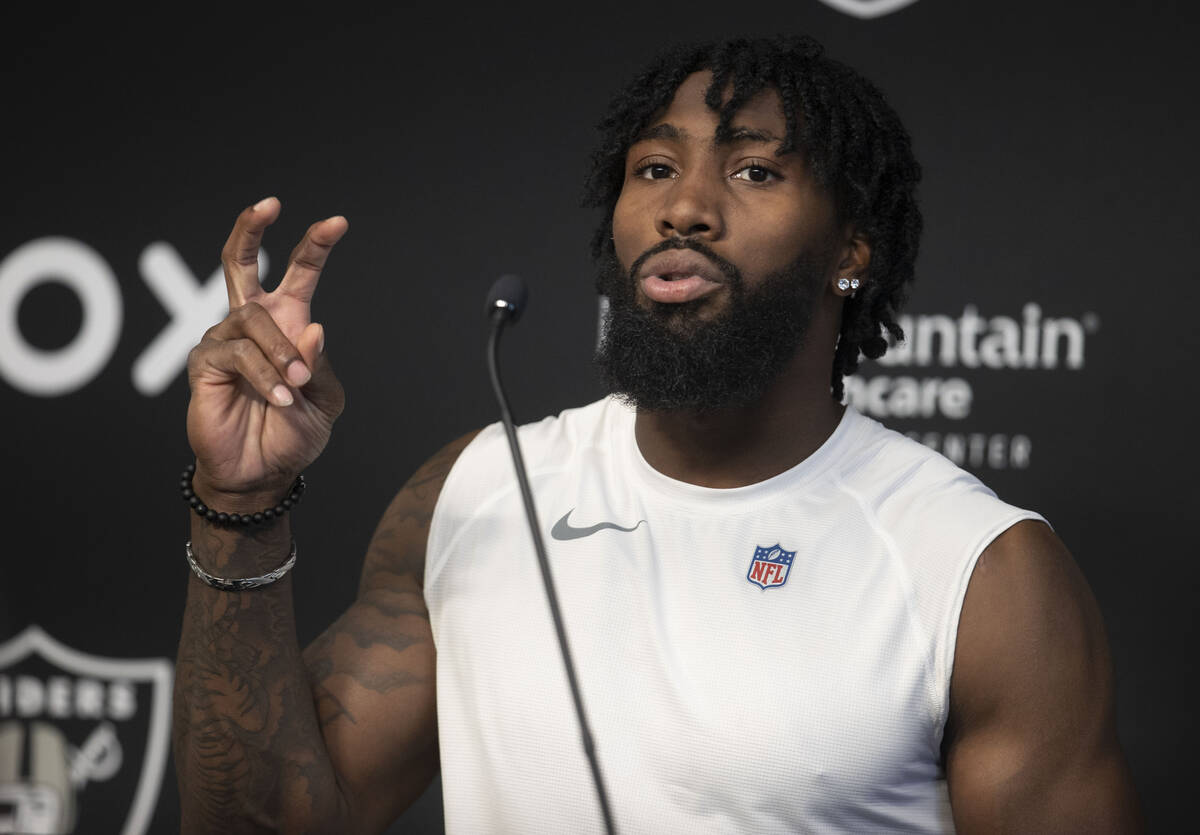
(500, 312)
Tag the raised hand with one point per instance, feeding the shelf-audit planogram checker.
(264, 396)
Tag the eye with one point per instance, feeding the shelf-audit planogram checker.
(653, 171)
(755, 173)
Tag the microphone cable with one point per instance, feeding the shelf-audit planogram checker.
(505, 303)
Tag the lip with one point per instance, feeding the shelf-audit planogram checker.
(678, 276)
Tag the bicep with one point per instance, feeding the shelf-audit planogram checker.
(372, 678)
(372, 672)
(1032, 745)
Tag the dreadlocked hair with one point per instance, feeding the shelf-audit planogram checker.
(851, 138)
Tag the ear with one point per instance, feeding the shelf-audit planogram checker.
(853, 264)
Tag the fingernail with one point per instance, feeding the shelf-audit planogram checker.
(321, 342)
(298, 373)
(261, 205)
(283, 397)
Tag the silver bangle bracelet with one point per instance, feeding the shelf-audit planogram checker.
(244, 583)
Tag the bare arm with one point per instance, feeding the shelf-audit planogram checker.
(1031, 745)
(248, 752)
(268, 739)
(372, 671)
(340, 738)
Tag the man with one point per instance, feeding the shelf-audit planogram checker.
(784, 617)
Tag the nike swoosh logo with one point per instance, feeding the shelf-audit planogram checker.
(562, 528)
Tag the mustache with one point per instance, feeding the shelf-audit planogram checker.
(732, 274)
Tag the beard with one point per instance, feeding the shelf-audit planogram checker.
(666, 357)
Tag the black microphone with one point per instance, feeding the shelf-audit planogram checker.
(507, 298)
(505, 303)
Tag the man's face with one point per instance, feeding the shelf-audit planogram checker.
(721, 250)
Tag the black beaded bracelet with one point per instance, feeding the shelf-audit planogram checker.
(231, 519)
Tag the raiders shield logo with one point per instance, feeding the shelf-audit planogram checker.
(83, 739)
(867, 9)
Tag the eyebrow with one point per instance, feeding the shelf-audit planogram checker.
(661, 131)
(664, 130)
(748, 135)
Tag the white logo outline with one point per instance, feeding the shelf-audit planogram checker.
(156, 671)
(867, 9)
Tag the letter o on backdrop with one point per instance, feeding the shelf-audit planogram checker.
(80, 268)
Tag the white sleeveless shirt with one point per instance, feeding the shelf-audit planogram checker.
(769, 658)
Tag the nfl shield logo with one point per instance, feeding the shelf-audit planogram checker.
(770, 566)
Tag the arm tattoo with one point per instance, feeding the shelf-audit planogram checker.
(251, 709)
(427, 482)
(245, 725)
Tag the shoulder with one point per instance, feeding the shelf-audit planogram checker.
(1029, 621)
(397, 548)
(896, 462)
(580, 428)
(427, 481)
(931, 509)
(485, 465)
(1032, 732)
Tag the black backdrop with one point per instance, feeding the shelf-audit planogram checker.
(1058, 142)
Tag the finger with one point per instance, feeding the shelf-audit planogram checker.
(311, 344)
(308, 258)
(324, 390)
(239, 258)
(239, 358)
(252, 321)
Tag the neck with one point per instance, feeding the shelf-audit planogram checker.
(736, 446)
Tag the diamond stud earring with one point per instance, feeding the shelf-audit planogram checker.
(843, 283)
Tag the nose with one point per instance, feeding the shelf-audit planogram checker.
(691, 207)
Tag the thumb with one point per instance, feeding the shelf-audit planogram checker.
(311, 344)
(324, 390)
